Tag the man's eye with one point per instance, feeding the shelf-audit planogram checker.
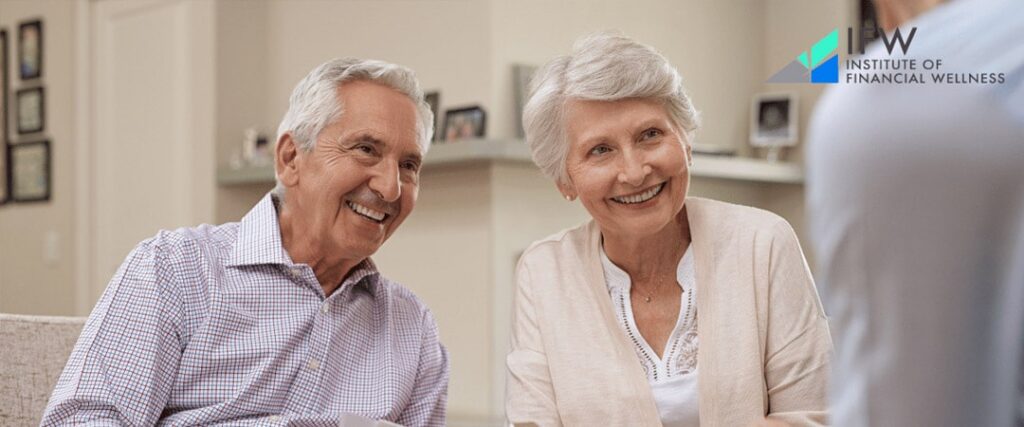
(412, 166)
(366, 148)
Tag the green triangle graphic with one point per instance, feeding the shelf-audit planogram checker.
(824, 47)
(803, 60)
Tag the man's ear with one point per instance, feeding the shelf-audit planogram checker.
(285, 160)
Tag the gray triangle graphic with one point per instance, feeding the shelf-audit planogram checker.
(794, 72)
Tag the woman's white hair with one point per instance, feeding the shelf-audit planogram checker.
(314, 102)
(605, 66)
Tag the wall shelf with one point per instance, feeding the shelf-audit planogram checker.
(516, 151)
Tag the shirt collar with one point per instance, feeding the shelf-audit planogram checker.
(615, 277)
(259, 243)
(259, 237)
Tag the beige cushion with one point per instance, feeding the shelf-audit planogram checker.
(33, 351)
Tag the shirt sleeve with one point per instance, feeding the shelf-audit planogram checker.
(124, 364)
(530, 397)
(430, 392)
(798, 349)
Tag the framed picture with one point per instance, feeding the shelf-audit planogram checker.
(30, 49)
(30, 171)
(521, 75)
(31, 110)
(433, 99)
(773, 120)
(464, 123)
(5, 178)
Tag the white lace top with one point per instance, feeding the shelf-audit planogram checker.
(673, 377)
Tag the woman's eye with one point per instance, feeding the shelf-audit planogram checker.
(599, 150)
(650, 133)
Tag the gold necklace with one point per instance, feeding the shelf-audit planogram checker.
(648, 296)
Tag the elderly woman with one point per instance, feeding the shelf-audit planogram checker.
(664, 309)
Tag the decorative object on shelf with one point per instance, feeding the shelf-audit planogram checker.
(255, 150)
(30, 49)
(30, 171)
(464, 123)
(31, 110)
(433, 99)
(521, 75)
(4, 169)
(773, 123)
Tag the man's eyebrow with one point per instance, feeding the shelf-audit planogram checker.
(414, 156)
(365, 137)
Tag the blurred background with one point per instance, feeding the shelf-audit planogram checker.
(147, 104)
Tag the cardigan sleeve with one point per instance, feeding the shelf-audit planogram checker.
(530, 397)
(798, 346)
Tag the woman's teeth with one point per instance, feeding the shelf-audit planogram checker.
(642, 197)
(367, 212)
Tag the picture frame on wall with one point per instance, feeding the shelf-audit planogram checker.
(31, 171)
(30, 108)
(464, 123)
(433, 99)
(4, 114)
(30, 49)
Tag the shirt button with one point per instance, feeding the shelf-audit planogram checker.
(296, 272)
(313, 365)
(274, 418)
(325, 307)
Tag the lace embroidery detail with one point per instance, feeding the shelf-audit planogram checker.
(680, 356)
(686, 362)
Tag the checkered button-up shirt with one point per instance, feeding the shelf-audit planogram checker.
(216, 325)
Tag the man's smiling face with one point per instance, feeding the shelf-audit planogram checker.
(361, 179)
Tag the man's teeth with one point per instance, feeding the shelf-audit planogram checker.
(642, 197)
(367, 212)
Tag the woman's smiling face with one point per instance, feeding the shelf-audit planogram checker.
(628, 163)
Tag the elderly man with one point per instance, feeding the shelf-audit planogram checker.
(282, 317)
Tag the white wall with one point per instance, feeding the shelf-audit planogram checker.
(713, 44)
(30, 281)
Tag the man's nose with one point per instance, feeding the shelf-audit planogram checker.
(386, 182)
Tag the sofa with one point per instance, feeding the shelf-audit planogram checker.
(33, 351)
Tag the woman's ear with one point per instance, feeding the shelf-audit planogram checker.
(567, 189)
(285, 160)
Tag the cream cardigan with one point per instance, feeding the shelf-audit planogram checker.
(764, 341)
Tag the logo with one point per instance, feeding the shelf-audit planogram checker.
(821, 66)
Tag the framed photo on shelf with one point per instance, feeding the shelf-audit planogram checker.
(31, 179)
(464, 123)
(433, 99)
(4, 114)
(521, 75)
(773, 120)
(30, 49)
(31, 110)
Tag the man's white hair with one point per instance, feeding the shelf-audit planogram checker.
(602, 67)
(314, 102)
